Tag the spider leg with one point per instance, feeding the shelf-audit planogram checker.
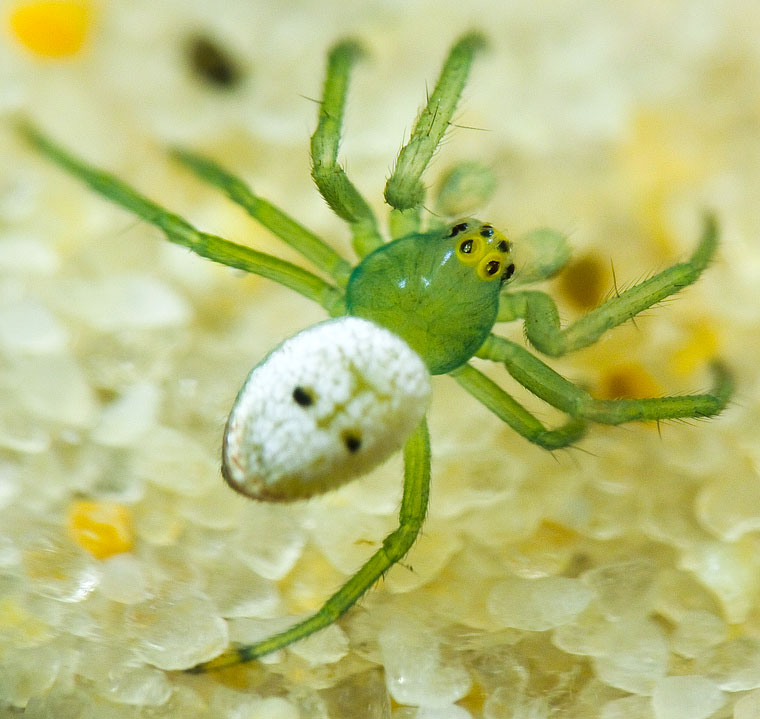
(275, 220)
(554, 389)
(539, 311)
(183, 233)
(404, 189)
(331, 179)
(395, 546)
(515, 415)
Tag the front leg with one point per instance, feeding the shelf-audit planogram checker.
(181, 232)
(542, 325)
(405, 189)
(331, 179)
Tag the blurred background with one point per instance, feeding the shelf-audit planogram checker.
(620, 579)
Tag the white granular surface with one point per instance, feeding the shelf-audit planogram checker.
(120, 357)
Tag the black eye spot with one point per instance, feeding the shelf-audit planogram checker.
(492, 267)
(352, 440)
(466, 247)
(486, 231)
(503, 246)
(456, 229)
(303, 397)
(508, 272)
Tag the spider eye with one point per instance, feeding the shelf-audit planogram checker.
(486, 231)
(503, 246)
(459, 227)
(470, 249)
(508, 272)
(489, 267)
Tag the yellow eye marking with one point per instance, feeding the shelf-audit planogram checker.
(484, 247)
(489, 268)
(470, 249)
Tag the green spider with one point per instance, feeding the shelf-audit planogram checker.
(441, 291)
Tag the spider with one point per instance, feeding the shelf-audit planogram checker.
(423, 303)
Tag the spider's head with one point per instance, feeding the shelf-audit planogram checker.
(439, 291)
(481, 246)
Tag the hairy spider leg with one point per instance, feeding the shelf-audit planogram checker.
(507, 409)
(542, 325)
(405, 191)
(543, 330)
(331, 179)
(559, 392)
(181, 232)
(312, 247)
(414, 504)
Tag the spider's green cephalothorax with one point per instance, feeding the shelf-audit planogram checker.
(438, 291)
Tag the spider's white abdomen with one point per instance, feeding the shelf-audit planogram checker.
(324, 407)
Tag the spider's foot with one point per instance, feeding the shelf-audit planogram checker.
(236, 654)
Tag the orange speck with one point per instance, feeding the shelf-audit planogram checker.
(52, 28)
(101, 528)
(585, 282)
(628, 380)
